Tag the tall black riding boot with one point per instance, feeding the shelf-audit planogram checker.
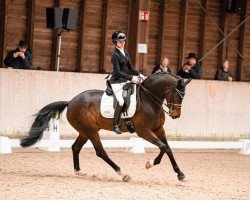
(117, 118)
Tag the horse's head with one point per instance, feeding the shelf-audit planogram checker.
(174, 97)
(166, 86)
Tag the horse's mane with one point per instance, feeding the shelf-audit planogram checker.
(159, 75)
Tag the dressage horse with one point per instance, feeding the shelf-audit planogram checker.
(83, 113)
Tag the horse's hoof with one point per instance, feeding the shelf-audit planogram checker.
(182, 178)
(149, 164)
(126, 178)
(80, 173)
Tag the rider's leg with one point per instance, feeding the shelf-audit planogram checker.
(117, 89)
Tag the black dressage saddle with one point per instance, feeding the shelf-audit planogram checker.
(128, 90)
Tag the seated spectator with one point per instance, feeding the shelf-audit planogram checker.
(163, 67)
(21, 58)
(223, 73)
(191, 69)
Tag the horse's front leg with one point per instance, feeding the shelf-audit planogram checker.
(160, 133)
(159, 140)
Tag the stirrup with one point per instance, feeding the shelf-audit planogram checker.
(117, 129)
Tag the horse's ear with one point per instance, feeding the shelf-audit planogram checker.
(187, 81)
(180, 81)
(180, 84)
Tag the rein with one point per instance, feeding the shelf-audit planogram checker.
(169, 105)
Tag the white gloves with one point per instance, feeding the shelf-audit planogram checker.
(138, 79)
(135, 79)
(142, 77)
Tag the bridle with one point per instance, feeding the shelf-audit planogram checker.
(170, 105)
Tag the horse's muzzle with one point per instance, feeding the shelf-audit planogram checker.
(175, 117)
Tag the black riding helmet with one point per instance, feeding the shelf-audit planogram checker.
(118, 36)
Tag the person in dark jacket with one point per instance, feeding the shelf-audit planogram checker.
(191, 69)
(21, 58)
(162, 67)
(121, 66)
(223, 73)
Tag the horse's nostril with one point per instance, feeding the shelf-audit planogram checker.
(175, 116)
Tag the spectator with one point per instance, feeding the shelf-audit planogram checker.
(21, 58)
(163, 67)
(223, 73)
(191, 69)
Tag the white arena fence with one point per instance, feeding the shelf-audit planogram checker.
(211, 109)
(133, 145)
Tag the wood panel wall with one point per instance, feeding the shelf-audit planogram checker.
(175, 29)
(92, 35)
(154, 36)
(244, 66)
(172, 29)
(211, 37)
(42, 38)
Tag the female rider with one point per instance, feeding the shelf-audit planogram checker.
(121, 64)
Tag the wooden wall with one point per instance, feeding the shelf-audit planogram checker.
(175, 28)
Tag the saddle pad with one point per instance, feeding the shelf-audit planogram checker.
(107, 109)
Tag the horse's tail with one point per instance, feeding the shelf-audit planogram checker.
(41, 122)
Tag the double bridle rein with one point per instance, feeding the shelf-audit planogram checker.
(170, 105)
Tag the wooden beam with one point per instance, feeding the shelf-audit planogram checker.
(242, 39)
(183, 32)
(30, 22)
(133, 31)
(144, 35)
(80, 47)
(54, 42)
(2, 30)
(104, 36)
(129, 18)
(163, 21)
(203, 31)
(224, 28)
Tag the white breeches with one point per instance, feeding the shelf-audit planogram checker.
(117, 89)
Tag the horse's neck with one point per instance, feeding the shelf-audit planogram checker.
(152, 96)
(157, 89)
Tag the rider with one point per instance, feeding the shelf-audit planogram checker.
(121, 64)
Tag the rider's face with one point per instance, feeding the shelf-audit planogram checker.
(120, 44)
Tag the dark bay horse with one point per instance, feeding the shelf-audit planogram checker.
(83, 113)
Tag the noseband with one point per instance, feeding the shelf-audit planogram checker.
(170, 105)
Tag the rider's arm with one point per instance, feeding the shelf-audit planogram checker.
(131, 67)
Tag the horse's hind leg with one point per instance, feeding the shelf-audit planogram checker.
(76, 148)
(100, 152)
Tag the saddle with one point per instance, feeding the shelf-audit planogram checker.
(128, 90)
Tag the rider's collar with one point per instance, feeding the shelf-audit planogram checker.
(121, 50)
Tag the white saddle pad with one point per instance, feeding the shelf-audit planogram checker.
(107, 109)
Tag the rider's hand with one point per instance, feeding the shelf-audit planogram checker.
(142, 77)
(135, 79)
